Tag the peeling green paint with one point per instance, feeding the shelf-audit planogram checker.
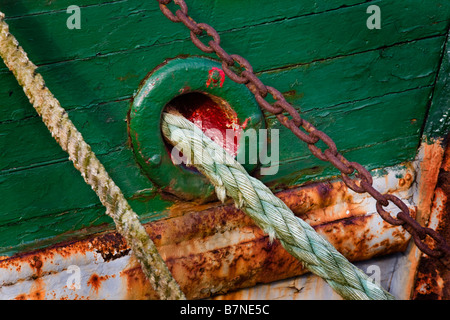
(181, 76)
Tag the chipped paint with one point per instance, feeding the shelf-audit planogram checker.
(398, 271)
(216, 76)
(210, 249)
(427, 163)
(216, 107)
(433, 279)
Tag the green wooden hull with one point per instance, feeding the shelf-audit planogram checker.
(373, 91)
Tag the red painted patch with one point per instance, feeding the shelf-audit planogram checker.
(214, 75)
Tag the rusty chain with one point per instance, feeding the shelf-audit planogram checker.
(362, 181)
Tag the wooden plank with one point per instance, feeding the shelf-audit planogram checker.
(59, 187)
(214, 9)
(311, 169)
(330, 82)
(119, 25)
(28, 195)
(28, 142)
(312, 37)
(42, 231)
(362, 123)
(315, 86)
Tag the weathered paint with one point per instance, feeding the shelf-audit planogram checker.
(208, 249)
(428, 199)
(310, 286)
(316, 95)
(170, 81)
(55, 198)
(399, 272)
(433, 279)
(438, 119)
(338, 75)
(105, 35)
(427, 164)
(418, 276)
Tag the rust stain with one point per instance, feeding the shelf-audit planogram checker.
(189, 242)
(137, 286)
(219, 270)
(429, 168)
(408, 177)
(36, 264)
(433, 278)
(293, 95)
(111, 246)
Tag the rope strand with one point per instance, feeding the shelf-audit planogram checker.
(80, 153)
(270, 213)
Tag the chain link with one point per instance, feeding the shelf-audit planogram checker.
(362, 181)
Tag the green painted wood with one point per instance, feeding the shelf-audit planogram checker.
(370, 90)
(58, 187)
(312, 169)
(333, 33)
(330, 82)
(318, 85)
(73, 224)
(438, 117)
(111, 26)
(29, 143)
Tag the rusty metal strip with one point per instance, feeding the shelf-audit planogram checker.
(211, 250)
(408, 274)
(433, 280)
